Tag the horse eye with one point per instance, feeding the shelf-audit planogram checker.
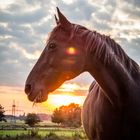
(51, 46)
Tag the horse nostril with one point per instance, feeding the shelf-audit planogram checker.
(27, 88)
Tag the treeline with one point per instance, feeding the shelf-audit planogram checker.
(69, 116)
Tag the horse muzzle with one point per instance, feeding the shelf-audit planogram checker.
(35, 96)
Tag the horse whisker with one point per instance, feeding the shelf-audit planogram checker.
(38, 97)
(34, 102)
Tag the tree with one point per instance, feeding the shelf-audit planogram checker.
(68, 115)
(57, 116)
(74, 115)
(32, 119)
(2, 116)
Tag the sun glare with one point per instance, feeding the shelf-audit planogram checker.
(59, 100)
(71, 50)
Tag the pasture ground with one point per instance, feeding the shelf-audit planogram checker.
(43, 131)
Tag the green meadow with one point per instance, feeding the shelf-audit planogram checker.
(44, 131)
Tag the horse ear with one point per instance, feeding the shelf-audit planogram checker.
(63, 20)
(56, 19)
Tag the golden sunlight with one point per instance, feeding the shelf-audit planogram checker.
(59, 100)
(65, 95)
(69, 87)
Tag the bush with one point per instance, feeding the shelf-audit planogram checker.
(68, 115)
(2, 116)
(32, 119)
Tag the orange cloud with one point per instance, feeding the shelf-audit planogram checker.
(72, 88)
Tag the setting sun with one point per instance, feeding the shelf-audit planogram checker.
(65, 95)
(59, 100)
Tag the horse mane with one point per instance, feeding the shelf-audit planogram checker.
(105, 49)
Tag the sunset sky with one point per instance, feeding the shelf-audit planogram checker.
(24, 26)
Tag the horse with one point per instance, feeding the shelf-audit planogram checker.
(111, 110)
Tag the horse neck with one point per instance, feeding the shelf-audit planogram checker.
(106, 67)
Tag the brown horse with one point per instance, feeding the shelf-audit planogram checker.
(112, 108)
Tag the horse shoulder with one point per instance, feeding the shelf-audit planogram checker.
(88, 112)
(100, 119)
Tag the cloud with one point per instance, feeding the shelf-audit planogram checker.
(18, 18)
(72, 89)
(16, 90)
(24, 26)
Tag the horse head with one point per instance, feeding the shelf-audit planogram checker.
(61, 60)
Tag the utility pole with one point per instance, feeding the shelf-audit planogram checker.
(13, 119)
(14, 111)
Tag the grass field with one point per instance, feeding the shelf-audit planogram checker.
(59, 132)
(42, 132)
(70, 134)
